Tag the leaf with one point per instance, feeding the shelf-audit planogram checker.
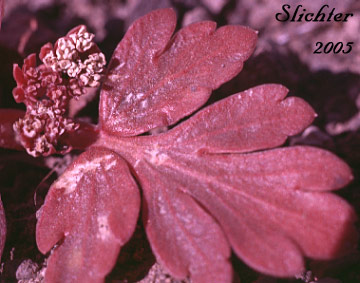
(2, 228)
(7, 134)
(271, 204)
(257, 118)
(90, 212)
(155, 80)
(184, 238)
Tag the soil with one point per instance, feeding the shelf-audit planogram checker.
(284, 54)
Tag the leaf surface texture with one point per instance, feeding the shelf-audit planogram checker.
(155, 80)
(90, 211)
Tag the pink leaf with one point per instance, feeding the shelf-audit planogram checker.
(184, 238)
(155, 81)
(2, 228)
(90, 211)
(264, 202)
(257, 118)
(7, 135)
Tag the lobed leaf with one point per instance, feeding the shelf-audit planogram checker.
(7, 134)
(90, 212)
(154, 80)
(184, 238)
(255, 119)
(271, 205)
(2, 228)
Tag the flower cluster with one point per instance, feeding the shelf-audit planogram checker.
(71, 65)
(41, 128)
(77, 56)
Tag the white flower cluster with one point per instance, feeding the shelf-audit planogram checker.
(67, 57)
(93, 67)
(41, 128)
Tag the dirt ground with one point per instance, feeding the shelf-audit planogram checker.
(284, 54)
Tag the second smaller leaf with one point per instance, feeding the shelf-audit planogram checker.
(91, 211)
